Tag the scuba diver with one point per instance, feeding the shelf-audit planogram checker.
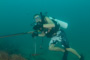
(52, 28)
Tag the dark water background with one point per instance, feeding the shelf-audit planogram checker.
(17, 15)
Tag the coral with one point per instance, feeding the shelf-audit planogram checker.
(16, 57)
(3, 55)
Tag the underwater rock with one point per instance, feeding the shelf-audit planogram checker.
(6, 56)
(16, 57)
(3, 55)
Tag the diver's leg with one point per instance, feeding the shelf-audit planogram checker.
(73, 51)
(65, 44)
(53, 48)
(54, 40)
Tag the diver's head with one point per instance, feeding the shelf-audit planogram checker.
(37, 18)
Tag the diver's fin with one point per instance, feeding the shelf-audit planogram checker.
(82, 57)
(65, 55)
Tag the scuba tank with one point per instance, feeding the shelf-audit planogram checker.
(62, 23)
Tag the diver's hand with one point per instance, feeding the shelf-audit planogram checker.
(42, 34)
(34, 34)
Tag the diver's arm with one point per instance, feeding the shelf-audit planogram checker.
(42, 34)
(30, 32)
(49, 24)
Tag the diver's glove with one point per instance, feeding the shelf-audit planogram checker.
(35, 33)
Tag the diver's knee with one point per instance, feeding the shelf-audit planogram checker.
(69, 49)
(51, 47)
